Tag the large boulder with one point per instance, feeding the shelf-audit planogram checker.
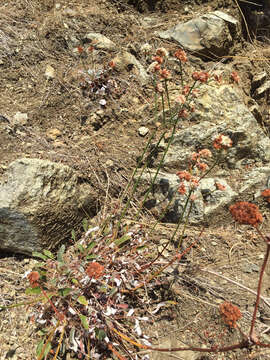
(210, 34)
(40, 203)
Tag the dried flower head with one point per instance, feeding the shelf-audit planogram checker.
(201, 76)
(79, 49)
(201, 166)
(205, 153)
(183, 113)
(220, 186)
(235, 77)
(111, 64)
(186, 90)
(181, 55)
(182, 189)
(165, 74)
(222, 142)
(162, 52)
(246, 213)
(33, 278)
(266, 194)
(158, 59)
(154, 67)
(230, 313)
(94, 270)
(180, 99)
(159, 88)
(184, 175)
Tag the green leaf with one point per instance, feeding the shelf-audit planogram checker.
(39, 255)
(75, 281)
(122, 240)
(48, 254)
(113, 291)
(40, 348)
(91, 246)
(73, 235)
(100, 334)
(84, 321)
(89, 257)
(60, 253)
(64, 292)
(80, 247)
(82, 300)
(85, 224)
(32, 291)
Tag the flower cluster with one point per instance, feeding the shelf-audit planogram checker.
(181, 55)
(95, 270)
(266, 194)
(33, 278)
(230, 313)
(196, 163)
(222, 142)
(235, 77)
(246, 213)
(201, 76)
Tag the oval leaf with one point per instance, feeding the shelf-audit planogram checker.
(82, 300)
(84, 321)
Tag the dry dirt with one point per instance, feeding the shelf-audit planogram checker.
(102, 145)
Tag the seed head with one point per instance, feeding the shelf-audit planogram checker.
(230, 313)
(246, 213)
(94, 270)
(266, 194)
(181, 55)
(33, 278)
(222, 142)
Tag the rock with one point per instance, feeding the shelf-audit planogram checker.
(143, 131)
(208, 199)
(41, 202)
(265, 87)
(220, 110)
(20, 119)
(52, 134)
(100, 42)
(126, 61)
(208, 34)
(49, 72)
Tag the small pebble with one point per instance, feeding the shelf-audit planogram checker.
(143, 131)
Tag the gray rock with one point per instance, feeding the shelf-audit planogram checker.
(210, 34)
(208, 199)
(20, 119)
(40, 203)
(220, 110)
(100, 41)
(124, 60)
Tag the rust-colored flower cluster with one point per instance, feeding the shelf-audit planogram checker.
(33, 278)
(266, 194)
(95, 270)
(201, 76)
(222, 142)
(246, 213)
(230, 313)
(181, 55)
(235, 77)
(196, 163)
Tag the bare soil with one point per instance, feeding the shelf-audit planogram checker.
(67, 124)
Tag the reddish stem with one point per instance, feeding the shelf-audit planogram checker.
(251, 332)
(59, 315)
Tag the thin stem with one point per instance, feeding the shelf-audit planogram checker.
(251, 332)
